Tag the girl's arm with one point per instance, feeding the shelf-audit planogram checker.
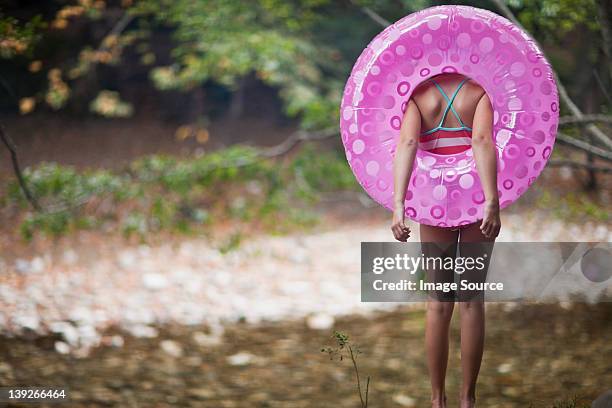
(486, 164)
(402, 167)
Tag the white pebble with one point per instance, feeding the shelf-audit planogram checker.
(241, 359)
(154, 281)
(203, 339)
(320, 321)
(142, 331)
(62, 347)
(172, 348)
(404, 400)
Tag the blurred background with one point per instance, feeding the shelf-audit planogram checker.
(179, 226)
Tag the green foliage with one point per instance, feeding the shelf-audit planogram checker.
(17, 38)
(302, 48)
(572, 205)
(555, 19)
(322, 170)
(135, 224)
(223, 41)
(109, 104)
(180, 176)
(62, 186)
(54, 224)
(184, 195)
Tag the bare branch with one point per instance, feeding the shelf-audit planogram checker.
(377, 18)
(578, 165)
(565, 98)
(117, 29)
(581, 145)
(571, 120)
(10, 145)
(296, 138)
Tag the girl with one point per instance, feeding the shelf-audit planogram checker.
(428, 125)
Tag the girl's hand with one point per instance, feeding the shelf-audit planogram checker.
(491, 223)
(401, 232)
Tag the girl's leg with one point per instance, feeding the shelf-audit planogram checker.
(473, 244)
(438, 242)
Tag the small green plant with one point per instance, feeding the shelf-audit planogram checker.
(345, 349)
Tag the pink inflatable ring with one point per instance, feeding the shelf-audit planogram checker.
(445, 190)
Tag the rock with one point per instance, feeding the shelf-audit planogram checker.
(6, 371)
(61, 347)
(88, 336)
(259, 397)
(116, 341)
(201, 393)
(144, 251)
(37, 265)
(143, 331)
(172, 348)
(206, 340)
(82, 314)
(338, 375)
(154, 281)
(394, 364)
(504, 368)
(404, 400)
(28, 321)
(22, 266)
(67, 330)
(298, 257)
(70, 257)
(320, 321)
(241, 359)
(127, 259)
(511, 391)
(194, 361)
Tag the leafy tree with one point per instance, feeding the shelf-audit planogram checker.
(224, 41)
(302, 48)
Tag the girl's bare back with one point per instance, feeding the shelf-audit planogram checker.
(431, 103)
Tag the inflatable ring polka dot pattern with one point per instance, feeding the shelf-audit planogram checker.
(445, 190)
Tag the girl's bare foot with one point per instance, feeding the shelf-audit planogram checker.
(467, 403)
(438, 402)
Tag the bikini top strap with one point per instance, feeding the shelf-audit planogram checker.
(450, 102)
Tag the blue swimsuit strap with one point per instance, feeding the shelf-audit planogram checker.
(449, 106)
